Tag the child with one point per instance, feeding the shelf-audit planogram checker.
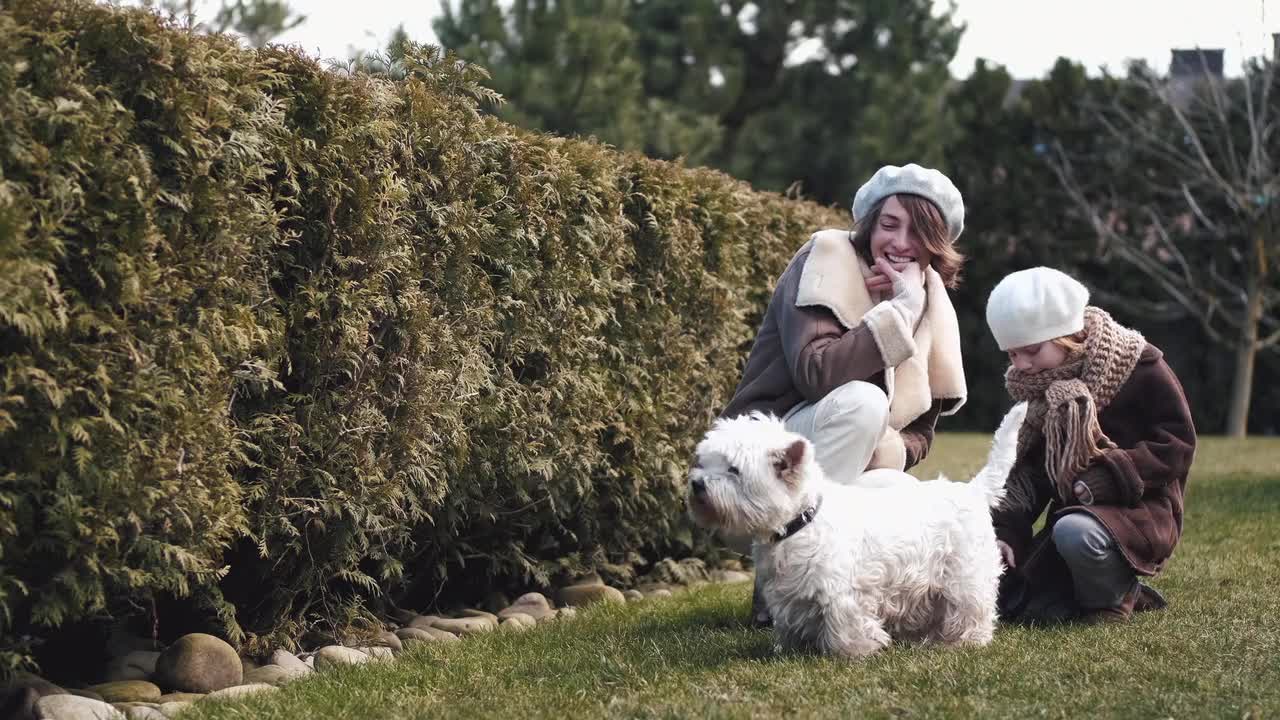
(1106, 445)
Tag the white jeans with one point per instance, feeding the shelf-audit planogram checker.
(844, 428)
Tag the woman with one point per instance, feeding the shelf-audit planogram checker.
(859, 350)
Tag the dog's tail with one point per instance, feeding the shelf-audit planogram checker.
(1004, 448)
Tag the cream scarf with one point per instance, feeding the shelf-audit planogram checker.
(834, 277)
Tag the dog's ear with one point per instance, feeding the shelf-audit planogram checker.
(787, 461)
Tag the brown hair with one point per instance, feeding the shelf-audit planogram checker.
(928, 222)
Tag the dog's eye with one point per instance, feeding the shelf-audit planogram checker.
(733, 469)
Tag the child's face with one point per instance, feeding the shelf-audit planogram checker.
(1037, 358)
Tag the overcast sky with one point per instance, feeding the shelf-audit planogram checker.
(1024, 35)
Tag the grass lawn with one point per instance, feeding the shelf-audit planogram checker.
(1214, 653)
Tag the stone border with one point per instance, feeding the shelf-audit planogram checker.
(200, 667)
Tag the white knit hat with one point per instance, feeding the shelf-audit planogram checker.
(1034, 306)
(911, 179)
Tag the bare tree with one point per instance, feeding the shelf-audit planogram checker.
(1182, 186)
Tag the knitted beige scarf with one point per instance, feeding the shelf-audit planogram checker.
(1063, 403)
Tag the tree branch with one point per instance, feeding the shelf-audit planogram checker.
(1269, 341)
(1128, 251)
(1209, 225)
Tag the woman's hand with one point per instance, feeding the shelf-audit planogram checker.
(878, 283)
(908, 291)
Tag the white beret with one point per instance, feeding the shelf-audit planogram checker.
(1034, 306)
(911, 179)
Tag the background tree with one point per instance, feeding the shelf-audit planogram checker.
(814, 94)
(823, 92)
(258, 21)
(1016, 215)
(389, 63)
(565, 67)
(1182, 187)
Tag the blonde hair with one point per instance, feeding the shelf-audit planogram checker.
(1071, 344)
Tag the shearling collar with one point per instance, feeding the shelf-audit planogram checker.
(833, 277)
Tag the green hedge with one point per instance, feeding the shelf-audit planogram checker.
(268, 325)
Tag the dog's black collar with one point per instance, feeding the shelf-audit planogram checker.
(799, 522)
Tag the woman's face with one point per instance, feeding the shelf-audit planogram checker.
(1037, 358)
(894, 239)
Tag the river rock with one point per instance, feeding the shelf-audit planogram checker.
(378, 652)
(408, 636)
(236, 692)
(271, 675)
(199, 663)
(127, 691)
(471, 612)
(586, 595)
(518, 622)
(533, 604)
(442, 635)
(423, 621)
(335, 655)
(387, 639)
(289, 661)
(171, 709)
(179, 697)
(464, 626)
(74, 707)
(729, 576)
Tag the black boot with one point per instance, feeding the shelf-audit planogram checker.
(760, 617)
(1149, 599)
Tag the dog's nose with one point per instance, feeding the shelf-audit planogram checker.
(699, 486)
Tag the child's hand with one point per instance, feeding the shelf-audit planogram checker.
(1096, 486)
(1006, 554)
(1083, 494)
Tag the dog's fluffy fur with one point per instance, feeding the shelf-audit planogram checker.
(906, 560)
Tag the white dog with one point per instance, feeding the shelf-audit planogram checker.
(847, 569)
